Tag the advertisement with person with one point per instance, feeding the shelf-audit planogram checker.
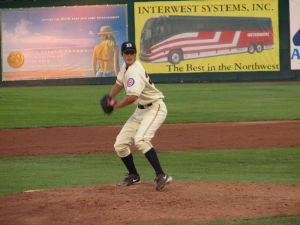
(62, 42)
(295, 34)
(207, 36)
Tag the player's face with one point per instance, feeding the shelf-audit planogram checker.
(129, 57)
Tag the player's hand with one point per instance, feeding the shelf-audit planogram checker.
(107, 103)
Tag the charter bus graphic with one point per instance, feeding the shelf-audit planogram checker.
(176, 38)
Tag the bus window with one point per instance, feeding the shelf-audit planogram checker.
(159, 31)
(147, 31)
(147, 34)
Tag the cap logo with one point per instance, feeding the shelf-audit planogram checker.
(128, 45)
(130, 82)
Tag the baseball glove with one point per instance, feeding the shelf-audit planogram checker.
(107, 103)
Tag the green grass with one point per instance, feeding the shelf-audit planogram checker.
(274, 220)
(79, 105)
(233, 102)
(19, 174)
(28, 107)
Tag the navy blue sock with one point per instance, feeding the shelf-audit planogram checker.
(153, 159)
(128, 161)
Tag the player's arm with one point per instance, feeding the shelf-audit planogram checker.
(129, 99)
(131, 95)
(116, 90)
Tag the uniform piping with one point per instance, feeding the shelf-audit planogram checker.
(151, 121)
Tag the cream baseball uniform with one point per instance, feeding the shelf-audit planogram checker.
(151, 112)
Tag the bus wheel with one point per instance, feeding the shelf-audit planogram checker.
(259, 47)
(175, 56)
(251, 48)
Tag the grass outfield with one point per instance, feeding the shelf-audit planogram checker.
(79, 105)
(280, 165)
(274, 220)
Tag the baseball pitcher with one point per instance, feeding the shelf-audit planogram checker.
(140, 128)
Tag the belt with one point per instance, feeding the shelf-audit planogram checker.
(144, 106)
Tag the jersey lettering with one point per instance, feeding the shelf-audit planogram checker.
(149, 80)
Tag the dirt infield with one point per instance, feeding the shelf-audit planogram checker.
(178, 202)
(170, 137)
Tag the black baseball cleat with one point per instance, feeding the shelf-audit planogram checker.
(162, 180)
(130, 179)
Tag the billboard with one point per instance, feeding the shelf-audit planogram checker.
(62, 42)
(295, 34)
(207, 36)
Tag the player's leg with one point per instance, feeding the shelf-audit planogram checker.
(123, 141)
(152, 118)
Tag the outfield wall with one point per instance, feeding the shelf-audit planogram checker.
(284, 74)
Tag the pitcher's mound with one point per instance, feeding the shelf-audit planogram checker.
(178, 202)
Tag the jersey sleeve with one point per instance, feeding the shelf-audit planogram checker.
(134, 83)
(120, 78)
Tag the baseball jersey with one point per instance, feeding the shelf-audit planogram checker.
(137, 82)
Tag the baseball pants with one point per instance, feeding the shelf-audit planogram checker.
(140, 128)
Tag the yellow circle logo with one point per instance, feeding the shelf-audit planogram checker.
(15, 59)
